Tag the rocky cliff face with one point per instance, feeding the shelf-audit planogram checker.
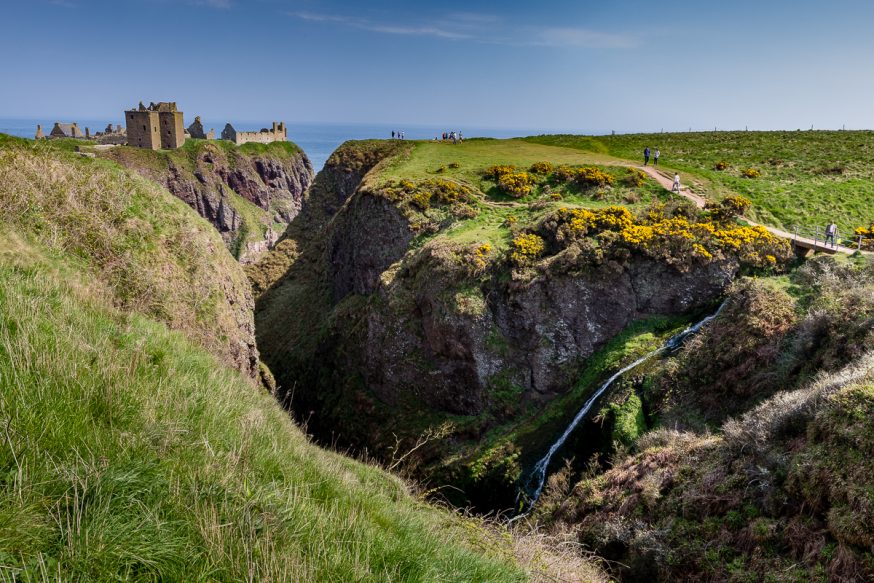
(374, 335)
(249, 194)
(531, 334)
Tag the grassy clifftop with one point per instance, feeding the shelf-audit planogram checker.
(491, 212)
(145, 248)
(430, 285)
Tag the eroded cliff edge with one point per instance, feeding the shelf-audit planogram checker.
(381, 324)
(142, 248)
(249, 193)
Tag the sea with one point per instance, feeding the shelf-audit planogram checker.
(318, 140)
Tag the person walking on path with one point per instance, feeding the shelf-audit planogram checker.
(655, 158)
(646, 156)
(830, 231)
(676, 186)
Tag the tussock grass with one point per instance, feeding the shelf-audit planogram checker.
(760, 427)
(152, 254)
(130, 453)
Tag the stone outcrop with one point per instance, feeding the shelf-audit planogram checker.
(369, 334)
(209, 178)
(532, 333)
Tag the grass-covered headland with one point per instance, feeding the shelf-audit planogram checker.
(131, 450)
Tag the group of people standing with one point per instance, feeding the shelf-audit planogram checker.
(454, 136)
(655, 158)
(647, 153)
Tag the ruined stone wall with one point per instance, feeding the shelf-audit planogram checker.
(279, 133)
(258, 137)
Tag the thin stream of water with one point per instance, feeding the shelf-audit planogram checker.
(534, 485)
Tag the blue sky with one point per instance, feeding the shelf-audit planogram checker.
(565, 65)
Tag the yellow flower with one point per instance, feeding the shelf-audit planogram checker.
(526, 248)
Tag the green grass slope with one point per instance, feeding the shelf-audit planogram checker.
(130, 450)
(148, 250)
(496, 212)
(128, 453)
(806, 178)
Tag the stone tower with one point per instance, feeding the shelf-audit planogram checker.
(156, 126)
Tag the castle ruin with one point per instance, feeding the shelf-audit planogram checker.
(279, 133)
(158, 126)
(195, 130)
(64, 130)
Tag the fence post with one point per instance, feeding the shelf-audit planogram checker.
(859, 248)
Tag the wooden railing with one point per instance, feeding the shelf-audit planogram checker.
(818, 235)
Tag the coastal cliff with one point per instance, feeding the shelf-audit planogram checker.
(140, 247)
(384, 319)
(130, 412)
(248, 193)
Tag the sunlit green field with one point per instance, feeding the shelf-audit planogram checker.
(466, 162)
(807, 178)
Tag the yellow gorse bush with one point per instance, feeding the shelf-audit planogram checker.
(421, 194)
(750, 173)
(564, 173)
(865, 232)
(499, 170)
(591, 176)
(516, 184)
(541, 168)
(480, 256)
(525, 248)
(867, 235)
(635, 178)
(676, 240)
(728, 208)
(587, 176)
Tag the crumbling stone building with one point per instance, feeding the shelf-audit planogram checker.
(195, 130)
(64, 130)
(279, 133)
(158, 126)
(113, 136)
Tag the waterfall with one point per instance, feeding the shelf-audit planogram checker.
(534, 485)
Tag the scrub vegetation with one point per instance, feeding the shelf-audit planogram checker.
(804, 178)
